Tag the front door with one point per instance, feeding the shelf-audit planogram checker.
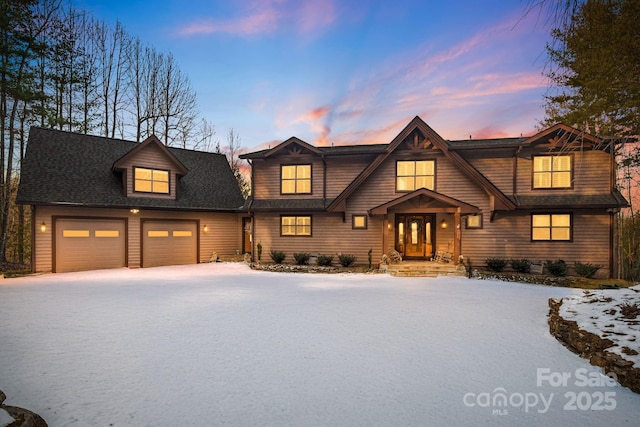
(415, 235)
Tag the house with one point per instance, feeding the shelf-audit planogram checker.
(548, 196)
(105, 203)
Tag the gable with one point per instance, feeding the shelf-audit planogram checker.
(293, 147)
(151, 152)
(417, 136)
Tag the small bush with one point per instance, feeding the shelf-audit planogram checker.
(629, 311)
(346, 259)
(496, 264)
(302, 258)
(370, 256)
(587, 270)
(259, 252)
(325, 260)
(557, 268)
(521, 265)
(278, 256)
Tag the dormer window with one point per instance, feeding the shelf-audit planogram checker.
(151, 181)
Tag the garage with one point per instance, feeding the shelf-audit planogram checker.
(169, 242)
(89, 244)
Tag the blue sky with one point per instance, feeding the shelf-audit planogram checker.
(350, 72)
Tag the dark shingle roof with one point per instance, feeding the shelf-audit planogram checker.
(287, 204)
(611, 200)
(336, 150)
(73, 169)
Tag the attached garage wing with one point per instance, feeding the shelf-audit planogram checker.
(169, 243)
(89, 244)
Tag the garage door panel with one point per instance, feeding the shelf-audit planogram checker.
(169, 243)
(89, 244)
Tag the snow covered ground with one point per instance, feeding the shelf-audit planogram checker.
(219, 344)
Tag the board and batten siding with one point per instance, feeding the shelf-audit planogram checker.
(224, 235)
(150, 157)
(330, 236)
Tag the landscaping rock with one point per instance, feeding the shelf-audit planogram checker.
(592, 347)
(22, 417)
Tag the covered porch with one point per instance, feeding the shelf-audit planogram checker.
(424, 225)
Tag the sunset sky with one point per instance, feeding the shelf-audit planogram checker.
(350, 72)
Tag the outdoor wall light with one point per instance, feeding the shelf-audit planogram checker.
(43, 227)
(134, 211)
(444, 224)
(206, 228)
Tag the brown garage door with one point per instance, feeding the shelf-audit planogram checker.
(89, 244)
(169, 243)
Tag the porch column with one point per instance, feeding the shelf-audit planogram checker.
(456, 237)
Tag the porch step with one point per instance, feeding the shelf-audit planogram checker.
(425, 269)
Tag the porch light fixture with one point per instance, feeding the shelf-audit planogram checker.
(206, 228)
(444, 224)
(43, 227)
(134, 211)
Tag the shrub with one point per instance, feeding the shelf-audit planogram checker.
(259, 252)
(325, 260)
(521, 265)
(496, 264)
(278, 256)
(557, 268)
(370, 256)
(629, 311)
(302, 258)
(346, 259)
(587, 270)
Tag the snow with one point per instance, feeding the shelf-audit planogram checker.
(5, 418)
(220, 344)
(599, 312)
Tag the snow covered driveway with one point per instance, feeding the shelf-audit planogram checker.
(219, 344)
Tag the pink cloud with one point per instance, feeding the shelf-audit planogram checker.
(267, 17)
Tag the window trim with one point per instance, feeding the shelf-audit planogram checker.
(353, 222)
(296, 226)
(296, 178)
(135, 190)
(414, 175)
(474, 227)
(551, 240)
(533, 172)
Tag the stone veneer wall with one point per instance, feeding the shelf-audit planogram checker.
(592, 347)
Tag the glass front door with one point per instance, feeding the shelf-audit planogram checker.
(415, 235)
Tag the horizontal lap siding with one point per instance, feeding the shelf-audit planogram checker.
(591, 175)
(150, 157)
(266, 176)
(509, 236)
(330, 236)
(224, 234)
(498, 170)
(342, 171)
